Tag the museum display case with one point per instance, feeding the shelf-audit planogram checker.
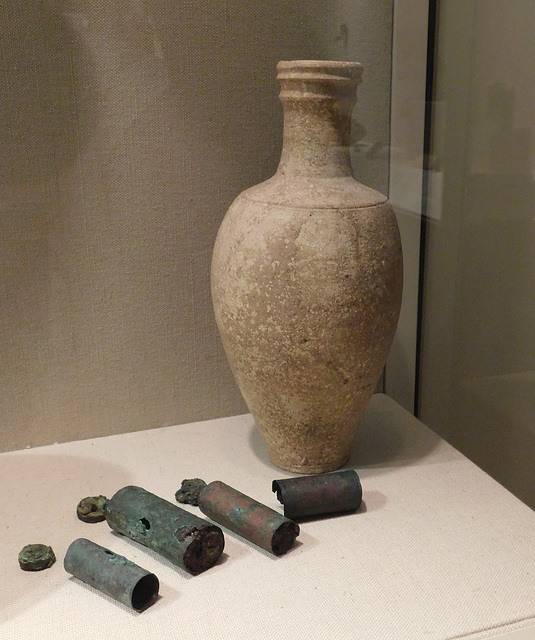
(128, 129)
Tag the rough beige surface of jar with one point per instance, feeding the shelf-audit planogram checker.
(307, 279)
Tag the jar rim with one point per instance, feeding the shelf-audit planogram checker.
(319, 70)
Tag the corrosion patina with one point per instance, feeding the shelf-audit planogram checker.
(91, 509)
(309, 496)
(36, 557)
(187, 540)
(112, 574)
(248, 518)
(189, 491)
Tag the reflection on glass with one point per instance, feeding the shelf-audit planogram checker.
(478, 353)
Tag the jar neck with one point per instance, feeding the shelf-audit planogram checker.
(318, 99)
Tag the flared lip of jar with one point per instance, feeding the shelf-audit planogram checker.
(333, 70)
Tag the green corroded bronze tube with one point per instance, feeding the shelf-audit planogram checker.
(308, 496)
(248, 518)
(112, 574)
(187, 540)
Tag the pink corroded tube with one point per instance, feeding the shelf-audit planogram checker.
(248, 518)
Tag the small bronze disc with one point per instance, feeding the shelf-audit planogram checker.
(91, 509)
(36, 557)
(189, 491)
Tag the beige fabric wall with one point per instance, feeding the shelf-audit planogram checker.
(126, 129)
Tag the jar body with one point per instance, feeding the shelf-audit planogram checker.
(306, 286)
(306, 302)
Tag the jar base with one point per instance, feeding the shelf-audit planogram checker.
(308, 466)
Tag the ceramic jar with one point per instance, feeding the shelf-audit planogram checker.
(307, 279)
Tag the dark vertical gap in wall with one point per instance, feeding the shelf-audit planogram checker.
(428, 131)
(390, 97)
(382, 380)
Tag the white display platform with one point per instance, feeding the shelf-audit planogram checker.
(438, 550)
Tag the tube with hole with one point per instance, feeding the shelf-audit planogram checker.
(112, 574)
(248, 518)
(188, 541)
